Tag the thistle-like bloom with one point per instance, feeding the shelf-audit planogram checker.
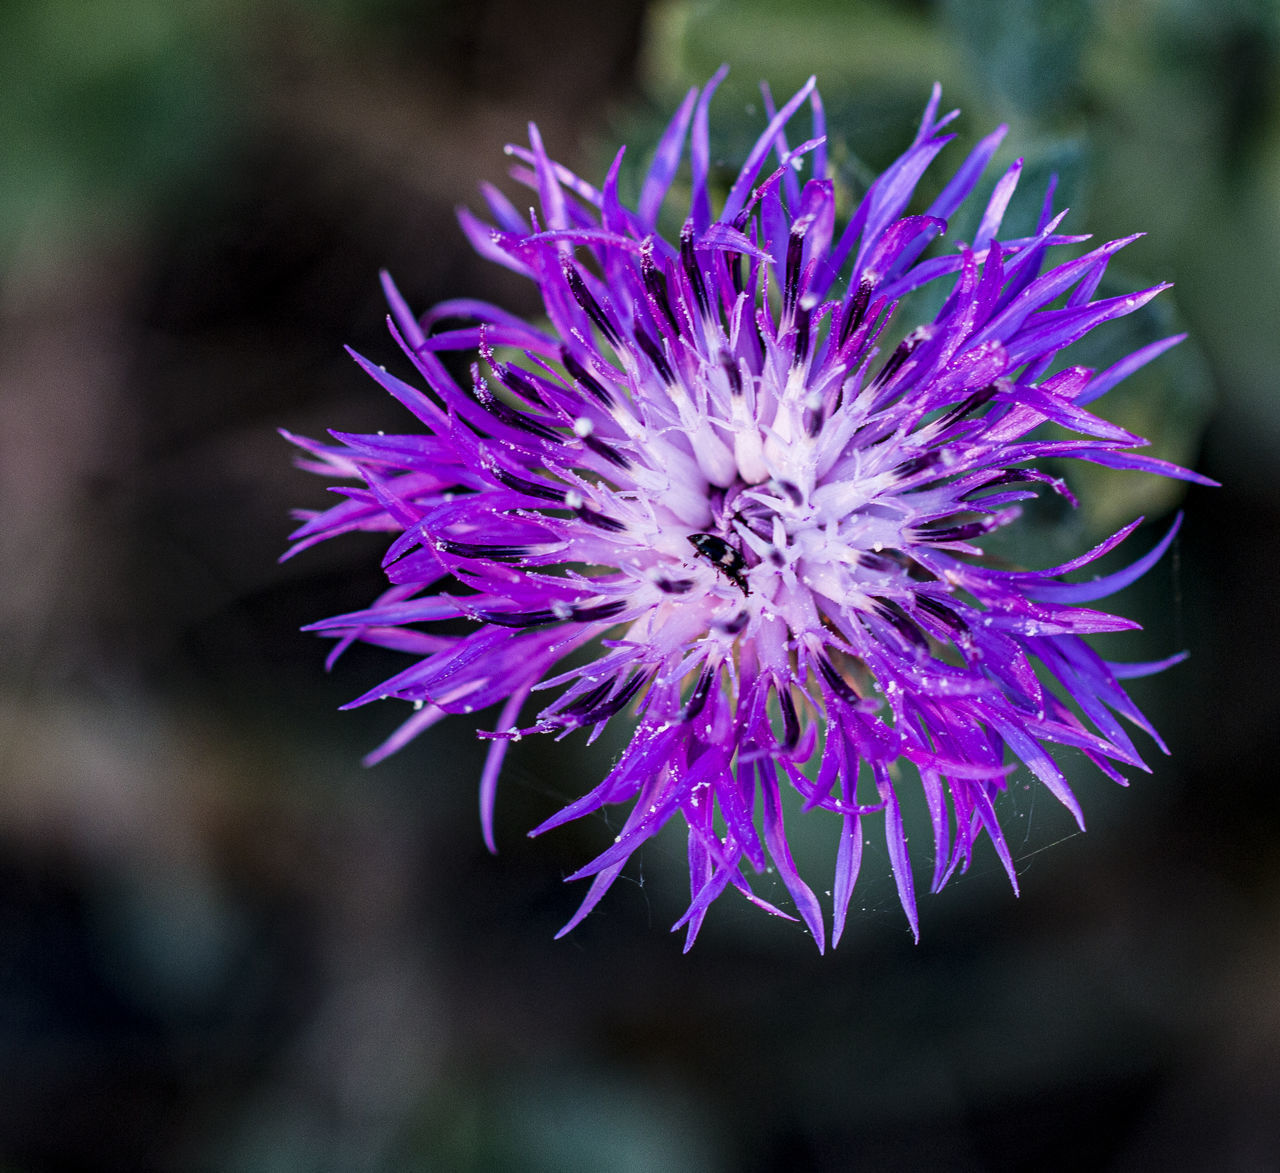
(728, 471)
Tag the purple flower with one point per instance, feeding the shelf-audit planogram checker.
(727, 467)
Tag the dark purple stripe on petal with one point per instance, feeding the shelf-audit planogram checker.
(584, 297)
(585, 379)
(539, 489)
(838, 684)
(609, 453)
(701, 691)
(674, 586)
(600, 521)
(689, 261)
(600, 612)
(479, 550)
(653, 352)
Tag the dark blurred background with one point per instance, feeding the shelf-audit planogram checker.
(224, 945)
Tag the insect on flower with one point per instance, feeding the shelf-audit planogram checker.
(713, 467)
(725, 558)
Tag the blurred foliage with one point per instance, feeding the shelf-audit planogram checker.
(109, 106)
(115, 108)
(1028, 51)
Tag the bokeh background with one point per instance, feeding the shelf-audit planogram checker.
(224, 945)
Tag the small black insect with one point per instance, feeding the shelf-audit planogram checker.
(724, 557)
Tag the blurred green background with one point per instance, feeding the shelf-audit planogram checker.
(226, 946)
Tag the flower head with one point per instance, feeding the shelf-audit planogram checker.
(725, 466)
